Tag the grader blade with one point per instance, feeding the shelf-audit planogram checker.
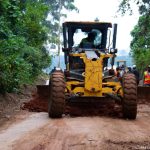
(143, 93)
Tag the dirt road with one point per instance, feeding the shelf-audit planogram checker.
(37, 132)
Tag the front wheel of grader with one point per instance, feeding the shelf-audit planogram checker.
(129, 102)
(56, 101)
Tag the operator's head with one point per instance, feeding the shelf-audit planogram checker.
(92, 35)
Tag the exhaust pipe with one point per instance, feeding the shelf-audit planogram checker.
(114, 50)
(114, 35)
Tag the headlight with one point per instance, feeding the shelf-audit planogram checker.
(112, 50)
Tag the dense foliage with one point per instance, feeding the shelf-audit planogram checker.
(127, 6)
(24, 30)
(140, 44)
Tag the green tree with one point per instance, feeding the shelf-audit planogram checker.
(56, 14)
(22, 35)
(24, 30)
(127, 5)
(140, 44)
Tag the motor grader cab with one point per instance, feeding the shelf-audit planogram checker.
(86, 74)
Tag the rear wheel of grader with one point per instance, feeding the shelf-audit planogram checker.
(57, 95)
(129, 102)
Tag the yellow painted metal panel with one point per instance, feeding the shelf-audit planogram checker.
(93, 75)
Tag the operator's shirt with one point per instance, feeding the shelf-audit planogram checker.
(86, 44)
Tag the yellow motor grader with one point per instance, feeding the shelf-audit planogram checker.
(87, 74)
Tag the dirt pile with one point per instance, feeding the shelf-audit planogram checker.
(101, 108)
(39, 101)
(36, 105)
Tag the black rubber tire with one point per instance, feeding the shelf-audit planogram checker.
(56, 102)
(129, 102)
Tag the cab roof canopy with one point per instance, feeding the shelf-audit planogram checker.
(69, 28)
(94, 25)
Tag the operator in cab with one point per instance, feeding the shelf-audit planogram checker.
(88, 42)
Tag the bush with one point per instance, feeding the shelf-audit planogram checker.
(22, 35)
